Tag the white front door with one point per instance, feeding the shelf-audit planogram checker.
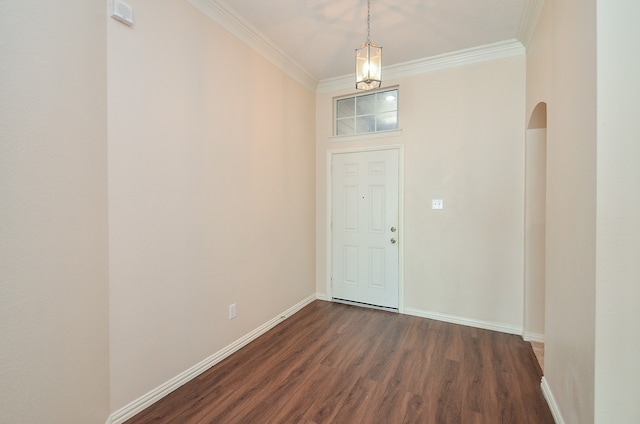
(365, 208)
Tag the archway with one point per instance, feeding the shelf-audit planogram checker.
(535, 225)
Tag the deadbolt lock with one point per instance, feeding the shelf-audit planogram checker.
(394, 229)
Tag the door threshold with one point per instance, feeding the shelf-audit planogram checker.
(364, 305)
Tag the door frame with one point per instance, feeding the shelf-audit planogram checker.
(329, 201)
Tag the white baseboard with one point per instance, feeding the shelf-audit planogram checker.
(323, 296)
(553, 406)
(487, 325)
(533, 337)
(123, 414)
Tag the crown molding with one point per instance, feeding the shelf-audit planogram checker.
(229, 19)
(529, 21)
(489, 52)
(221, 13)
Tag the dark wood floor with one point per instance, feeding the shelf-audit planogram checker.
(334, 363)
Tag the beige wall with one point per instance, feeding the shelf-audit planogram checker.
(211, 200)
(53, 213)
(562, 71)
(211, 193)
(535, 232)
(591, 85)
(463, 138)
(617, 374)
(538, 90)
(571, 210)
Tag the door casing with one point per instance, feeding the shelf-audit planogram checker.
(401, 232)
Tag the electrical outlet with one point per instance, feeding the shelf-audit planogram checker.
(437, 204)
(232, 311)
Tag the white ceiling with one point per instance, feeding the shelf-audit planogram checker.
(321, 35)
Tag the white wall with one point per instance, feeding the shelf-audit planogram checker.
(53, 213)
(463, 137)
(617, 373)
(211, 193)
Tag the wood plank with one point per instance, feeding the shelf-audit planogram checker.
(335, 363)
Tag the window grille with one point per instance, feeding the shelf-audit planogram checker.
(366, 113)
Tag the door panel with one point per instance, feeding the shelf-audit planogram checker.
(365, 208)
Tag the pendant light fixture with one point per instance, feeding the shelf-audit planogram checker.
(368, 60)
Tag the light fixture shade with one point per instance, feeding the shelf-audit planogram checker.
(368, 66)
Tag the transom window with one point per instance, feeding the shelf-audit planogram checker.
(367, 113)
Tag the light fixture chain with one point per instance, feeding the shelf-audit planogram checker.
(368, 20)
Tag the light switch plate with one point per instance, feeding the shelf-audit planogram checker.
(437, 204)
(122, 12)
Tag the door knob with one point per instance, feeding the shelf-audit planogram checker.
(394, 229)
(393, 240)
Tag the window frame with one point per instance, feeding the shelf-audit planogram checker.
(375, 133)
